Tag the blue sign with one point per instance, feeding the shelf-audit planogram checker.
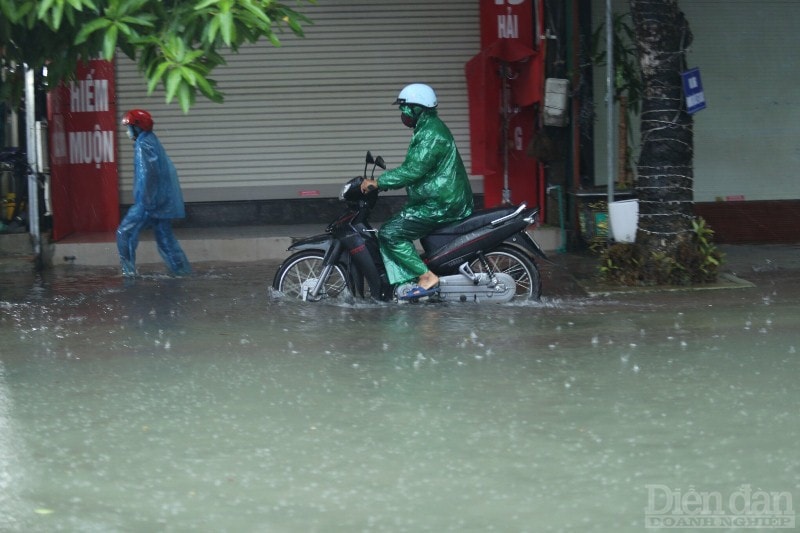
(693, 90)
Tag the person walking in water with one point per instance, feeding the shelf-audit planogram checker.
(157, 198)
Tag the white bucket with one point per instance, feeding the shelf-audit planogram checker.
(623, 217)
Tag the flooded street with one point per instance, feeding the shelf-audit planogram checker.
(201, 404)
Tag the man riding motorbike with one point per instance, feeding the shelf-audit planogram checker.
(437, 186)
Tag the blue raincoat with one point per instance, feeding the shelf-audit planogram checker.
(157, 200)
(438, 189)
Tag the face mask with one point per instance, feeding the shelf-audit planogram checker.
(409, 115)
(131, 133)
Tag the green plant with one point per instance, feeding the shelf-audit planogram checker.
(710, 258)
(627, 76)
(696, 260)
(628, 85)
(662, 269)
(621, 264)
(177, 44)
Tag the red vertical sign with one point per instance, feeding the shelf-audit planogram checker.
(83, 152)
(506, 19)
(508, 49)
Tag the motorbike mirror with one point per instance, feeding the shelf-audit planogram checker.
(368, 161)
(377, 163)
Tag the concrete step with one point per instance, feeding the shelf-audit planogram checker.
(224, 244)
(16, 252)
(15, 244)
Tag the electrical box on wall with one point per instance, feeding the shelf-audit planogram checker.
(556, 92)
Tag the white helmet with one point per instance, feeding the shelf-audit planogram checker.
(417, 93)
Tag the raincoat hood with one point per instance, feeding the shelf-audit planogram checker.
(155, 180)
(410, 114)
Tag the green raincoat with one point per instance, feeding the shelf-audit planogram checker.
(438, 193)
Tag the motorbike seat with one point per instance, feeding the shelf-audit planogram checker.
(476, 220)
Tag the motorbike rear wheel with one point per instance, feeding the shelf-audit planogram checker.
(299, 274)
(516, 264)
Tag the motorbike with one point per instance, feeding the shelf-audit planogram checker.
(489, 257)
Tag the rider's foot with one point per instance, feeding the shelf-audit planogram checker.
(428, 280)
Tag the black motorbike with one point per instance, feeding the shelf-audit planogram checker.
(486, 258)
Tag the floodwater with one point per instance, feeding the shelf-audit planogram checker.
(201, 404)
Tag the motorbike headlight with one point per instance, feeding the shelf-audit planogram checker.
(345, 188)
(351, 192)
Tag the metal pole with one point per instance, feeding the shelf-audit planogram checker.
(14, 120)
(506, 102)
(31, 150)
(610, 101)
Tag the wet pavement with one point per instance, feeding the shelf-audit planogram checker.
(566, 275)
(204, 404)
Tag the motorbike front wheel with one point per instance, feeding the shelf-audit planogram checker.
(299, 274)
(516, 264)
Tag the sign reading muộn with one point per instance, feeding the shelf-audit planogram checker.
(83, 128)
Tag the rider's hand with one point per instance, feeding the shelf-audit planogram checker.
(368, 185)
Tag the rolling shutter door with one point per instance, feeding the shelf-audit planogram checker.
(297, 120)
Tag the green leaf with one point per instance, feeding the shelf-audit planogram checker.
(24, 9)
(175, 49)
(145, 19)
(44, 7)
(274, 40)
(128, 49)
(90, 28)
(205, 4)
(226, 27)
(110, 43)
(174, 80)
(296, 28)
(193, 56)
(126, 7)
(257, 15)
(206, 87)
(189, 76)
(186, 97)
(212, 29)
(156, 76)
(58, 14)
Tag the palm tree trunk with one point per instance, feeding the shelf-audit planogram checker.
(665, 179)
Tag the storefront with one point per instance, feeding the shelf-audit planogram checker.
(297, 120)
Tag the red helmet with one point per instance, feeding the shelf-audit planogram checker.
(140, 118)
